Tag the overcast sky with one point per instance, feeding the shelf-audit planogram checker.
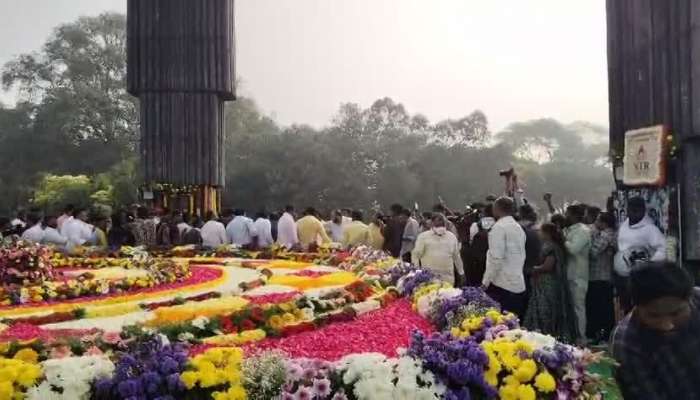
(299, 59)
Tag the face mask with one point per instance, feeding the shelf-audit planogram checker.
(440, 230)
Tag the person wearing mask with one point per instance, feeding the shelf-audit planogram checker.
(67, 214)
(478, 247)
(263, 229)
(438, 251)
(356, 233)
(393, 231)
(287, 234)
(410, 234)
(503, 278)
(600, 310)
(120, 235)
(533, 245)
(335, 226)
(441, 208)
(578, 247)
(375, 238)
(241, 229)
(311, 230)
(77, 231)
(657, 344)
(549, 307)
(52, 236)
(213, 233)
(35, 232)
(638, 241)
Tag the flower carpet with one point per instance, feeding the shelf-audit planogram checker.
(230, 324)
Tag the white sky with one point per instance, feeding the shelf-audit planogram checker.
(300, 59)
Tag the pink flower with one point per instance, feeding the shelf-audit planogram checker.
(303, 393)
(322, 387)
(382, 331)
(94, 351)
(111, 338)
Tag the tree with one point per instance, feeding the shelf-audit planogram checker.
(80, 74)
(73, 103)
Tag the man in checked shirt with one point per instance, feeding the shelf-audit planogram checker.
(658, 343)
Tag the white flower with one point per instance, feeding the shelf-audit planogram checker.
(366, 306)
(185, 336)
(200, 322)
(537, 340)
(70, 378)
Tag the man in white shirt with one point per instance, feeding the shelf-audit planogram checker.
(241, 229)
(503, 279)
(287, 229)
(213, 232)
(263, 228)
(334, 227)
(36, 232)
(437, 249)
(67, 214)
(51, 234)
(77, 231)
(638, 241)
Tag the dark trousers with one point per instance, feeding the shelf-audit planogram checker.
(509, 301)
(600, 310)
(622, 292)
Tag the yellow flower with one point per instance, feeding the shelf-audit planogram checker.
(526, 371)
(508, 392)
(526, 392)
(27, 355)
(28, 375)
(521, 345)
(545, 383)
(189, 378)
(288, 318)
(6, 390)
(491, 378)
(494, 365)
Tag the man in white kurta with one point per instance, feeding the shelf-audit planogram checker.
(437, 250)
(287, 229)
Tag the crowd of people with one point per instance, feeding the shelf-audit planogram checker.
(562, 274)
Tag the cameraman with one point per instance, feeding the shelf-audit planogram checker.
(638, 241)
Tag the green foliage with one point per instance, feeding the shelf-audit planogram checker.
(55, 191)
(74, 116)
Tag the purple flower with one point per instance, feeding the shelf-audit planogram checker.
(149, 370)
(413, 282)
(128, 388)
(458, 363)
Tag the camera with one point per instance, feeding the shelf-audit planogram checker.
(506, 172)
